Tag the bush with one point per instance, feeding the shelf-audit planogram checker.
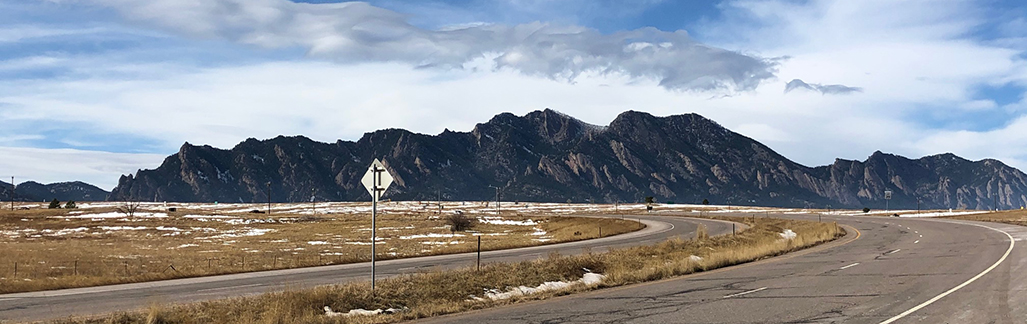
(459, 222)
(70, 204)
(54, 204)
(866, 210)
(705, 201)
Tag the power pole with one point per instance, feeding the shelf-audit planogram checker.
(12, 192)
(313, 203)
(269, 197)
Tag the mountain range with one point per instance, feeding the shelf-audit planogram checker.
(546, 156)
(62, 191)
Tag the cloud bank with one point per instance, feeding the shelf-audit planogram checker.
(357, 32)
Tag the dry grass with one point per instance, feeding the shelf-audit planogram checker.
(50, 249)
(443, 292)
(1014, 217)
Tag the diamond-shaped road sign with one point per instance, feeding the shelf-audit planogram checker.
(376, 180)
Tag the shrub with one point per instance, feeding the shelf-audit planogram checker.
(54, 204)
(705, 201)
(70, 204)
(459, 222)
(866, 210)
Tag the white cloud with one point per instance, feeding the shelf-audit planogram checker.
(101, 169)
(908, 69)
(356, 32)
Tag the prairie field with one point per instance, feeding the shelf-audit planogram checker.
(96, 244)
(435, 293)
(1013, 217)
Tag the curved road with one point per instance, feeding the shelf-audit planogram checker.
(893, 270)
(105, 299)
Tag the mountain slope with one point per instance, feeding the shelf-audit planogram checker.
(549, 156)
(62, 191)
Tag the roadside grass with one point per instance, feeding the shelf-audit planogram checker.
(436, 292)
(1013, 217)
(46, 249)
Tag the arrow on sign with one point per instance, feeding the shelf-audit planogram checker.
(376, 180)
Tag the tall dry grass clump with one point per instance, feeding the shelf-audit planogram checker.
(442, 292)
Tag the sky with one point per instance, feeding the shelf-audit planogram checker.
(93, 89)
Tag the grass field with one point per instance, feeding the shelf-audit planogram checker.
(443, 292)
(1014, 217)
(96, 245)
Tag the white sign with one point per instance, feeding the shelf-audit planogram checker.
(887, 194)
(376, 180)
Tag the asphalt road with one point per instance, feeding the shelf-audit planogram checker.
(105, 299)
(891, 270)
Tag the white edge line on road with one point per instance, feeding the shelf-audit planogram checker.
(960, 286)
(849, 266)
(230, 287)
(745, 292)
(6, 299)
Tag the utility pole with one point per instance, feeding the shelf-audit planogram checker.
(12, 192)
(918, 205)
(313, 202)
(499, 209)
(269, 197)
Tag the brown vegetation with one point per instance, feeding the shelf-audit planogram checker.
(59, 248)
(442, 292)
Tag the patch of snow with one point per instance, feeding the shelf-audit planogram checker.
(186, 245)
(500, 221)
(943, 213)
(587, 279)
(695, 258)
(317, 242)
(360, 312)
(122, 228)
(787, 234)
(431, 235)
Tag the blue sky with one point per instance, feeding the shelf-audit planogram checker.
(92, 89)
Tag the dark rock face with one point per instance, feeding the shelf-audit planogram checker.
(62, 191)
(551, 157)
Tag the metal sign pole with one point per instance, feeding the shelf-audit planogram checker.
(374, 214)
(376, 180)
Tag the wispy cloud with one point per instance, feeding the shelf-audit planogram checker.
(356, 32)
(797, 84)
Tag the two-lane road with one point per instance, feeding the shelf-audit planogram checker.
(901, 270)
(105, 299)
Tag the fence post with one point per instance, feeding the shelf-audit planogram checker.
(479, 253)
(16, 268)
(76, 267)
(600, 231)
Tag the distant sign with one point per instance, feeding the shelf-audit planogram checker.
(376, 180)
(887, 194)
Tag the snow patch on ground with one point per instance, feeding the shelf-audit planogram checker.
(360, 312)
(499, 221)
(942, 214)
(787, 234)
(431, 235)
(588, 279)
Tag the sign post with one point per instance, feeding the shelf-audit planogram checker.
(376, 180)
(887, 199)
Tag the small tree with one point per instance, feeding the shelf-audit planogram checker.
(128, 208)
(705, 201)
(54, 204)
(866, 210)
(459, 222)
(70, 204)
